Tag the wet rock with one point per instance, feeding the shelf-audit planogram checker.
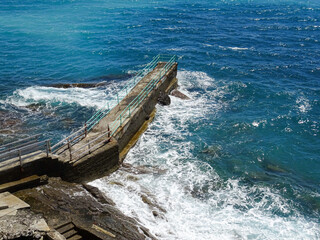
(36, 107)
(61, 202)
(164, 99)
(150, 200)
(274, 168)
(142, 169)
(73, 85)
(98, 194)
(9, 122)
(213, 150)
(178, 94)
(132, 178)
(116, 183)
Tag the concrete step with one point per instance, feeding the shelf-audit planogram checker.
(70, 233)
(23, 183)
(75, 237)
(65, 228)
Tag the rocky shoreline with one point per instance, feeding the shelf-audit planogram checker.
(59, 203)
(62, 210)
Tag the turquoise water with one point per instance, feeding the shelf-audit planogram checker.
(242, 158)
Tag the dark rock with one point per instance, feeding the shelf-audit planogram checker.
(61, 202)
(73, 85)
(164, 99)
(178, 94)
(98, 194)
(142, 169)
(35, 107)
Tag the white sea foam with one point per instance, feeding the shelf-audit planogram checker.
(258, 123)
(237, 48)
(303, 104)
(85, 97)
(51, 95)
(197, 204)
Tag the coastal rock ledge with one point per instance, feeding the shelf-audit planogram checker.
(83, 209)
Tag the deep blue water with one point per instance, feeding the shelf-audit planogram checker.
(252, 68)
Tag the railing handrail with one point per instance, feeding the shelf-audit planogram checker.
(19, 141)
(23, 148)
(137, 100)
(100, 114)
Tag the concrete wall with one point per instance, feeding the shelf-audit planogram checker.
(142, 113)
(40, 165)
(95, 165)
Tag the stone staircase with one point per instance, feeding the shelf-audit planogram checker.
(68, 230)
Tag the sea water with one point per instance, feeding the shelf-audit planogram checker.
(239, 160)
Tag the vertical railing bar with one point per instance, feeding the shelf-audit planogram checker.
(47, 147)
(19, 152)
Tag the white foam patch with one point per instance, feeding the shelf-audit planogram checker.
(50, 95)
(85, 97)
(303, 104)
(179, 197)
(237, 48)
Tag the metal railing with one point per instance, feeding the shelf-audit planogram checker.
(131, 84)
(23, 149)
(126, 113)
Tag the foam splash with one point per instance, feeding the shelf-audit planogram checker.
(50, 95)
(181, 197)
(303, 104)
(84, 97)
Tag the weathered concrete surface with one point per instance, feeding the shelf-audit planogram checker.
(12, 202)
(24, 225)
(38, 165)
(95, 165)
(60, 201)
(142, 113)
(136, 137)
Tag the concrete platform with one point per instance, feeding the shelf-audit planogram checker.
(13, 204)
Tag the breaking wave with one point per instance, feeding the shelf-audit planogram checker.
(167, 188)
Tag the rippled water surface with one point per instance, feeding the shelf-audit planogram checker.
(240, 160)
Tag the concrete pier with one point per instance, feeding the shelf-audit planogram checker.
(110, 152)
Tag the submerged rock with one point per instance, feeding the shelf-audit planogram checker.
(36, 107)
(142, 169)
(78, 85)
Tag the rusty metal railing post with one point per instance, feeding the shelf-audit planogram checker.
(47, 148)
(49, 145)
(19, 152)
(108, 131)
